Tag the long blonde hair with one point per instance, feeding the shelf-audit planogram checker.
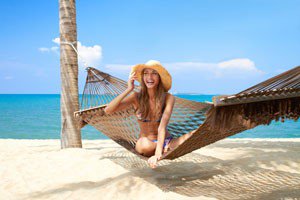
(143, 99)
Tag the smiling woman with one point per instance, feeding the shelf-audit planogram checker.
(206, 122)
(153, 107)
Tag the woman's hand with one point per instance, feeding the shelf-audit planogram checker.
(130, 82)
(152, 161)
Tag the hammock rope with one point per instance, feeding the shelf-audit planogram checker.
(278, 98)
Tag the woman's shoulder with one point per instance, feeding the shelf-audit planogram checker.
(170, 97)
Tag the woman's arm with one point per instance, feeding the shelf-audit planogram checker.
(162, 129)
(121, 101)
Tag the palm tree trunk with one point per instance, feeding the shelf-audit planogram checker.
(70, 132)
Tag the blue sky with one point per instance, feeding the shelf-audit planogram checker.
(209, 46)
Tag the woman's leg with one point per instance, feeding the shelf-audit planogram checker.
(178, 141)
(145, 147)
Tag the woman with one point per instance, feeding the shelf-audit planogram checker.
(153, 106)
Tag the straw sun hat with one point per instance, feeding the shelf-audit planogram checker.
(165, 77)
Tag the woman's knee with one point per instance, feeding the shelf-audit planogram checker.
(145, 146)
(174, 143)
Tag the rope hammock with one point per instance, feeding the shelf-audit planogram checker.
(277, 98)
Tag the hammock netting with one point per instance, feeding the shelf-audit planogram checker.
(277, 98)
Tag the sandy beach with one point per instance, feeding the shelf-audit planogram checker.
(228, 169)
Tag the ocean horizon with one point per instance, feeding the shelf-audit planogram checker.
(37, 116)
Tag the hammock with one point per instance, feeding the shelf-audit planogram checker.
(277, 98)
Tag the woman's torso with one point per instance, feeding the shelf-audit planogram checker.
(148, 126)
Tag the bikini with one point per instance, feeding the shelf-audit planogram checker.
(167, 140)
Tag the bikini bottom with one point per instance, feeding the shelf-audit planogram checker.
(167, 141)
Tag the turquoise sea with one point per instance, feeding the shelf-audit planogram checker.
(33, 116)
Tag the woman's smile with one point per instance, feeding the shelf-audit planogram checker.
(150, 83)
(151, 78)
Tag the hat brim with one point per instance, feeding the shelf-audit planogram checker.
(165, 77)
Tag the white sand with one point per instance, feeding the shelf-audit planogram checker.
(229, 169)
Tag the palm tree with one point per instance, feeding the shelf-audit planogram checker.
(70, 133)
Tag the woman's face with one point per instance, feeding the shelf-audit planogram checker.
(151, 78)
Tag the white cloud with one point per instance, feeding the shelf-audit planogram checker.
(55, 49)
(44, 49)
(243, 64)
(91, 55)
(51, 49)
(56, 40)
(8, 77)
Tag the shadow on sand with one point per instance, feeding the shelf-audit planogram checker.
(196, 175)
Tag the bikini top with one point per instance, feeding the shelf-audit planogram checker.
(139, 117)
